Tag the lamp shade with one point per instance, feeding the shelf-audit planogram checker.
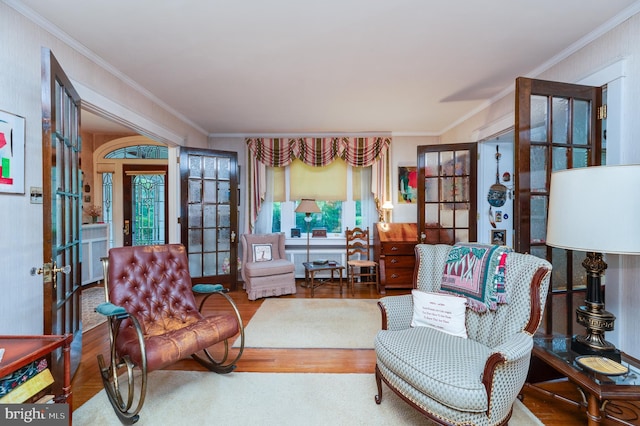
(308, 205)
(595, 209)
(387, 205)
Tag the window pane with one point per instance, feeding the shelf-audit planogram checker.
(330, 217)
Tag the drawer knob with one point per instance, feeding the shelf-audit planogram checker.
(394, 275)
(394, 248)
(394, 260)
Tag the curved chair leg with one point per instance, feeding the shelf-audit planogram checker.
(125, 398)
(224, 365)
(378, 397)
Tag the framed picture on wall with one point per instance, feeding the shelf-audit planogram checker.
(12, 131)
(407, 184)
(499, 237)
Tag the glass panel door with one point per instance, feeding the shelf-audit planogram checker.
(558, 129)
(447, 200)
(209, 205)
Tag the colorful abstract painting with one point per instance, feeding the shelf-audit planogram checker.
(12, 128)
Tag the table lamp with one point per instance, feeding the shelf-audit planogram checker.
(308, 206)
(594, 209)
(387, 207)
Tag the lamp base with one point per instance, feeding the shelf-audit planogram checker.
(579, 346)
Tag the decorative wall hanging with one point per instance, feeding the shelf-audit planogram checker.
(497, 192)
(12, 131)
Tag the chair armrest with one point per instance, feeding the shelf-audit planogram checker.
(517, 347)
(506, 371)
(397, 310)
(208, 288)
(108, 309)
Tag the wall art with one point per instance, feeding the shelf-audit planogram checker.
(12, 131)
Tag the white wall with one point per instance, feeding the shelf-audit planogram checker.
(619, 45)
(21, 221)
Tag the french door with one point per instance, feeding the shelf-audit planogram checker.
(557, 128)
(62, 214)
(209, 214)
(447, 195)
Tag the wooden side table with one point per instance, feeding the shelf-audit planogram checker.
(597, 390)
(311, 268)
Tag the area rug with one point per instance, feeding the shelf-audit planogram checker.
(91, 297)
(314, 323)
(199, 398)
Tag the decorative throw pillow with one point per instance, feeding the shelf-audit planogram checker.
(443, 312)
(262, 252)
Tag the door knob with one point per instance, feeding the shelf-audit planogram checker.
(49, 271)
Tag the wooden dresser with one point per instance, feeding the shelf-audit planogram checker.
(394, 245)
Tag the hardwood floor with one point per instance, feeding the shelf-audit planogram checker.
(86, 382)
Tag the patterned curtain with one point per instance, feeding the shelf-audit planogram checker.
(317, 152)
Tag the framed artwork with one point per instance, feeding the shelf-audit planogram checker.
(262, 252)
(499, 237)
(12, 131)
(407, 184)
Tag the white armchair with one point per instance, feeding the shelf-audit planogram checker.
(457, 380)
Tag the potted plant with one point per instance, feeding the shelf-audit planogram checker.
(94, 211)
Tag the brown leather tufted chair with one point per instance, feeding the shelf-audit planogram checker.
(154, 320)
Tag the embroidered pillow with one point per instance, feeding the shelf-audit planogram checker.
(444, 312)
(262, 252)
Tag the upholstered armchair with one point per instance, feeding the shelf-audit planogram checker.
(265, 268)
(468, 371)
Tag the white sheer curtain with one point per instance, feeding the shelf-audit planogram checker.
(265, 217)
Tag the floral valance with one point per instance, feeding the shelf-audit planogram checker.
(357, 152)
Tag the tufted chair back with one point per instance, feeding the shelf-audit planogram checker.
(523, 312)
(153, 284)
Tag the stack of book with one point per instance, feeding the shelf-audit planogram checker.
(27, 384)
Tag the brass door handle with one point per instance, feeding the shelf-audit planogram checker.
(126, 229)
(49, 271)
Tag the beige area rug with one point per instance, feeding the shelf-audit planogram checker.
(314, 323)
(199, 398)
(91, 297)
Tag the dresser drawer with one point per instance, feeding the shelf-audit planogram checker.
(400, 278)
(399, 262)
(395, 248)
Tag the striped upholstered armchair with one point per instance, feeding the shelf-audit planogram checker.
(472, 373)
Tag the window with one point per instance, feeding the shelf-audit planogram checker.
(356, 209)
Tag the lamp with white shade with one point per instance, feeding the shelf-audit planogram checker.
(593, 209)
(308, 206)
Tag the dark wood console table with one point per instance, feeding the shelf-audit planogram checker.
(599, 392)
(394, 250)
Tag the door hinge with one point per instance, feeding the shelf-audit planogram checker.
(602, 112)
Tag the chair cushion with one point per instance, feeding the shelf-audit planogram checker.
(262, 269)
(444, 367)
(177, 340)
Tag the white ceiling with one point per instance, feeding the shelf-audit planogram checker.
(298, 66)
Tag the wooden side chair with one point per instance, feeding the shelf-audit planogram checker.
(360, 267)
(154, 321)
